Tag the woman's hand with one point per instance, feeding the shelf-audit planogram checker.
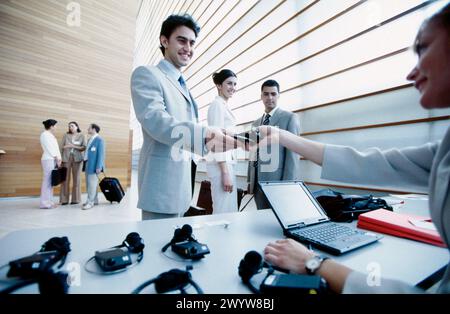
(288, 254)
(58, 162)
(227, 182)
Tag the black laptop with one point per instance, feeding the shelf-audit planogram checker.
(303, 219)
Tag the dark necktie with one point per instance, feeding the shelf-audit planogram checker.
(182, 83)
(266, 119)
(265, 122)
(184, 87)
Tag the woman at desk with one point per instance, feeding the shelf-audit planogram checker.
(426, 167)
(219, 166)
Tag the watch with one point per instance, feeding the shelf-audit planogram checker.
(314, 263)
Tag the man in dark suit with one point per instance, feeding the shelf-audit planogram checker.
(276, 162)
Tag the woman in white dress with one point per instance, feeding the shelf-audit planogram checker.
(220, 166)
(51, 156)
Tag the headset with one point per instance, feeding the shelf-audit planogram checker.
(250, 265)
(174, 279)
(185, 245)
(253, 263)
(38, 268)
(115, 259)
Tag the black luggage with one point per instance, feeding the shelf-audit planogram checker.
(112, 189)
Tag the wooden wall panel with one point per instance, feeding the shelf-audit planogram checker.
(49, 69)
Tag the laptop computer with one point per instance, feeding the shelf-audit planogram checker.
(303, 219)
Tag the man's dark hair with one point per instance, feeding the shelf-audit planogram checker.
(95, 127)
(49, 123)
(174, 21)
(271, 83)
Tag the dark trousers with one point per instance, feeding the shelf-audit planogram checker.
(260, 198)
(193, 171)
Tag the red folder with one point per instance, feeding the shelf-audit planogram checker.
(385, 221)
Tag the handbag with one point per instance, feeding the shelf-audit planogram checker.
(59, 175)
(346, 208)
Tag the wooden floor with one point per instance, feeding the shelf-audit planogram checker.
(24, 213)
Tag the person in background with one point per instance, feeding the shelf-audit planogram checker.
(287, 163)
(94, 159)
(73, 144)
(51, 156)
(425, 167)
(219, 166)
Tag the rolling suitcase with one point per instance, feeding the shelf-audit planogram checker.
(112, 189)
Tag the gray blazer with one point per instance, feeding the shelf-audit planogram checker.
(423, 168)
(168, 117)
(289, 162)
(78, 154)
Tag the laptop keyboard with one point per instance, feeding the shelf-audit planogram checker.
(325, 233)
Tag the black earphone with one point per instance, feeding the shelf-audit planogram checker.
(58, 244)
(133, 243)
(49, 282)
(174, 279)
(250, 265)
(180, 234)
(185, 245)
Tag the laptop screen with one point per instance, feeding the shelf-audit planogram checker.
(292, 203)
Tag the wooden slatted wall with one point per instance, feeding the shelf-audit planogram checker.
(49, 69)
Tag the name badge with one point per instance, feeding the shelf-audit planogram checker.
(93, 149)
(77, 143)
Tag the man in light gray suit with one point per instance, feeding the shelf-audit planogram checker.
(286, 162)
(169, 119)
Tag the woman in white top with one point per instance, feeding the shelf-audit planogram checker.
(219, 166)
(50, 157)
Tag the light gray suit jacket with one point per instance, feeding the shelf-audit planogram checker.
(168, 117)
(289, 162)
(423, 168)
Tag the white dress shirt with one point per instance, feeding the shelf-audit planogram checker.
(88, 146)
(220, 116)
(50, 146)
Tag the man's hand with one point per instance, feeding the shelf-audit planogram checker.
(97, 171)
(69, 145)
(288, 254)
(58, 162)
(217, 141)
